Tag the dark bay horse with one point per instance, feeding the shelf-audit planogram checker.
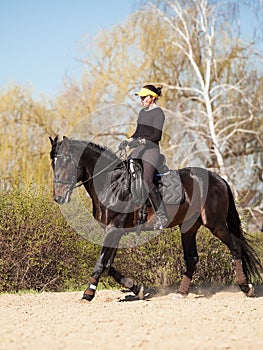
(208, 202)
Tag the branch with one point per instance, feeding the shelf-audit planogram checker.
(180, 88)
(241, 131)
(234, 126)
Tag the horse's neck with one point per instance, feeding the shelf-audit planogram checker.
(95, 158)
(93, 161)
(95, 186)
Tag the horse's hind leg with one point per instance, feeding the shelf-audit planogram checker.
(234, 244)
(190, 256)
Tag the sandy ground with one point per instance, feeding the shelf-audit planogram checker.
(207, 319)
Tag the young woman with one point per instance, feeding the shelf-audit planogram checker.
(146, 142)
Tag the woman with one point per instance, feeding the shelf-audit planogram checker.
(146, 140)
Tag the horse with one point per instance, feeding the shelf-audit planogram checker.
(208, 201)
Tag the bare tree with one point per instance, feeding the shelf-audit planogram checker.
(212, 78)
(214, 102)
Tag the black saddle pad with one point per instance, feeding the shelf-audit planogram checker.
(126, 187)
(170, 187)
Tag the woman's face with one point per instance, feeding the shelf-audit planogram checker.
(147, 101)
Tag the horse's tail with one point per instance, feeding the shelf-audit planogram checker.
(250, 260)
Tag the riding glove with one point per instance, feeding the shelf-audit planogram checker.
(136, 142)
(132, 144)
(123, 145)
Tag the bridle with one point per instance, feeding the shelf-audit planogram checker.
(73, 162)
(73, 181)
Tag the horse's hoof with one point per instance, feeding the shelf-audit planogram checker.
(84, 301)
(177, 296)
(127, 282)
(87, 297)
(140, 294)
(251, 292)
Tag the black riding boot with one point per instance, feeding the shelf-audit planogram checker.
(160, 212)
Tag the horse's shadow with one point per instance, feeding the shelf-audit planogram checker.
(259, 291)
(207, 292)
(148, 294)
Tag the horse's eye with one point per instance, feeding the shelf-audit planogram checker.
(65, 161)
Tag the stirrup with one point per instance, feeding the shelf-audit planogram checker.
(160, 222)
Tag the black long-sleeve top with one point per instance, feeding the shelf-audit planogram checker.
(150, 125)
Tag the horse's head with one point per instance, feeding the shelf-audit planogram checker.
(65, 167)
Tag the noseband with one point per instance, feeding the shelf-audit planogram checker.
(73, 163)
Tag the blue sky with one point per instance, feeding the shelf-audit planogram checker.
(41, 40)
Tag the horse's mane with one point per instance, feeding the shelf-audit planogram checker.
(88, 145)
(82, 147)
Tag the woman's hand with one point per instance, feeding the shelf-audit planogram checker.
(123, 145)
(132, 144)
(136, 142)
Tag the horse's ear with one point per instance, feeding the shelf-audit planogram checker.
(53, 142)
(53, 146)
(65, 144)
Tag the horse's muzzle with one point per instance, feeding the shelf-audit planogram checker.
(62, 195)
(59, 199)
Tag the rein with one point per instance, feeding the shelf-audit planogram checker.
(97, 174)
(123, 154)
(72, 181)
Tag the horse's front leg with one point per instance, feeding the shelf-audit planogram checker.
(105, 261)
(99, 268)
(127, 282)
(107, 254)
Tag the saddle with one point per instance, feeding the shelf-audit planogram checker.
(168, 182)
(126, 186)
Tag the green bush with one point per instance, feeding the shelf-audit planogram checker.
(156, 263)
(159, 263)
(38, 250)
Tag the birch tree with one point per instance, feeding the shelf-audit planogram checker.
(215, 102)
(212, 82)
